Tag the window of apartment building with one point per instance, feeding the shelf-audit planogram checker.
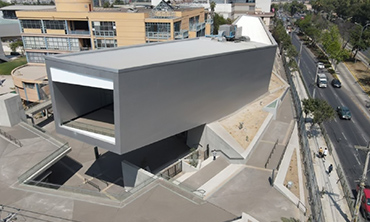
(105, 43)
(158, 30)
(32, 42)
(104, 28)
(54, 24)
(36, 57)
(30, 24)
(177, 26)
(29, 85)
(63, 44)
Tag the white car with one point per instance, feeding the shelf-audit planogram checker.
(320, 65)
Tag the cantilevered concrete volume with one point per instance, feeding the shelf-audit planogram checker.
(124, 98)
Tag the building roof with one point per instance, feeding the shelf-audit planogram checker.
(28, 7)
(138, 56)
(254, 28)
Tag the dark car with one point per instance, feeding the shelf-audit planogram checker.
(344, 112)
(336, 83)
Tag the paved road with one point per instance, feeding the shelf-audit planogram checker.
(344, 134)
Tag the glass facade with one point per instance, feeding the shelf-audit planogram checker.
(105, 43)
(158, 30)
(54, 24)
(66, 44)
(31, 42)
(31, 24)
(104, 29)
(36, 57)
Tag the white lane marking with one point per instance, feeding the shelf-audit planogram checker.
(344, 136)
(363, 136)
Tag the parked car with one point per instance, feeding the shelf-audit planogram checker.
(344, 112)
(336, 83)
(365, 202)
(320, 65)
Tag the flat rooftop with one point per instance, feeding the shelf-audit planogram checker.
(27, 7)
(137, 56)
(31, 72)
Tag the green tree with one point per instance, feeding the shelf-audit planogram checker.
(106, 5)
(331, 42)
(320, 109)
(14, 45)
(3, 4)
(213, 6)
(219, 20)
(359, 39)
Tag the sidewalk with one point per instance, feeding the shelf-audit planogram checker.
(335, 207)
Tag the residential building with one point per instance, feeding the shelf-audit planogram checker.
(125, 98)
(75, 25)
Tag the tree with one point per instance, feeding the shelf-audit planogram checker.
(213, 6)
(320, 109)
(14, 45)
(359, 39)
(331, 42)
(3, 4)
(219, 20)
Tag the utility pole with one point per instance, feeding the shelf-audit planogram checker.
(362, 182)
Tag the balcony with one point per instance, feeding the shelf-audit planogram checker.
(158, 35)
(79, 32)
(183, 34)
(196, 27)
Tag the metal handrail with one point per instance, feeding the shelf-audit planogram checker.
(91, 128)
(40, 165)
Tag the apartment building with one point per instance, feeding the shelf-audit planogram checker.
(75, 25)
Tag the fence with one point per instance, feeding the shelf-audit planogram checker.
(11, 138)
(311, 183)
(171, 171)
(342, 177)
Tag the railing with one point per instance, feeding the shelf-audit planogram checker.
(272, 151)
(91, 128)
(183, 34)
(105, 33)
(172, 171)
(39, 166)
(313, 189)
(11, 138)
(85, 48)
(197, 26)
(80, 32)
(158, 35)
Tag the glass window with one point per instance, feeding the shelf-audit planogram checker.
(36, 57)
(54, 24)
(104, 28)
(31, 42)
(105, 43)
(30, 24)
(58, 43)
(158, 30)
(177, 26)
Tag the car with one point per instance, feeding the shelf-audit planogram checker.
(344, 112)
(320, 65)
(336, 83)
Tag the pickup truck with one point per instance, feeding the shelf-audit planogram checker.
(322, 80)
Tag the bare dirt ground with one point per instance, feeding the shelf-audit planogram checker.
(361, 73)
(244, 124)
(292, 175)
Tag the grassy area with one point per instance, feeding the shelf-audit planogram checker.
(7, 67)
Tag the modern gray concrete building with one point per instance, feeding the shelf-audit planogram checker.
(124, 98)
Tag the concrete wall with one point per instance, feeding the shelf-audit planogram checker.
(61, 105)
(264, 5)
(161, 101)
(11, 110)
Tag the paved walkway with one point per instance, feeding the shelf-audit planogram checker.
(335, 207)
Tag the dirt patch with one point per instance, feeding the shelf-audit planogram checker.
(244, 125)
(361, 73)
(292, 175)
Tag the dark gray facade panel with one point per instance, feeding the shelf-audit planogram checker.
(75, 100)
(161, 101)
